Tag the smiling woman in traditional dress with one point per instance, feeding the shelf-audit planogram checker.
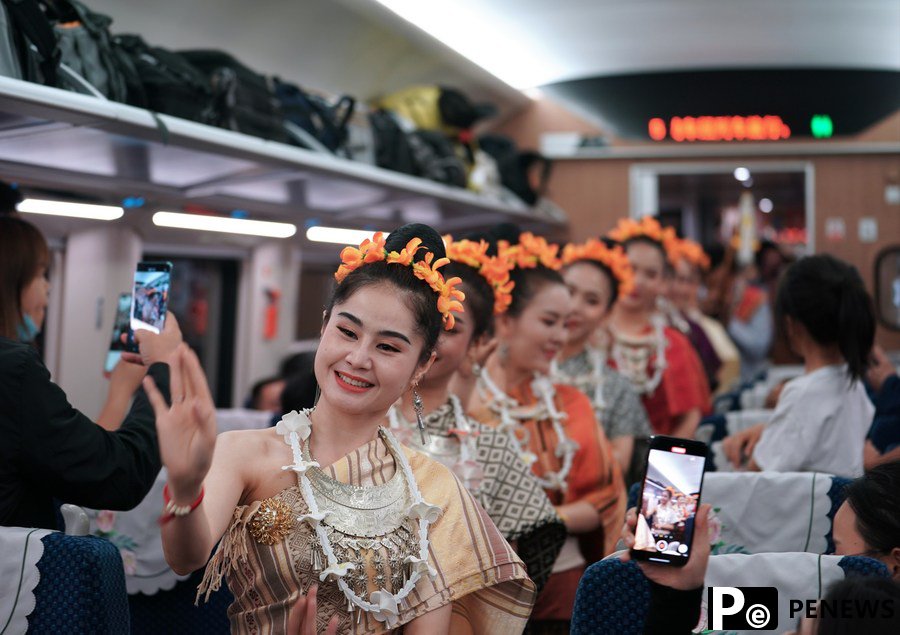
(553, 425)
(330, 498)
(484, 459)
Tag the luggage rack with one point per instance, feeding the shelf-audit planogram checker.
(68, 142)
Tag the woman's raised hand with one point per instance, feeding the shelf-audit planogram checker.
(187, 427)
(302, 619)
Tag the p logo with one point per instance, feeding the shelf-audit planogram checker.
(742, 608)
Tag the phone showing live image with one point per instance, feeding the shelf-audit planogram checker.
(120, 327)
(149, 300)
(669, 500)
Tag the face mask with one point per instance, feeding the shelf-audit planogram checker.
(27, 329)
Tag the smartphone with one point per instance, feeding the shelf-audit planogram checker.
(120, 327)
(149, 299)
(670, 496)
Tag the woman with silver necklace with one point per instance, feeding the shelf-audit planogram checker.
(485, 460)
(597, 275)
(554, 425)
(658, 360)
(327, 511)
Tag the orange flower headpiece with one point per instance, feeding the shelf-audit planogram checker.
(693, 253)
(613, 258)
(492, 268)
(373, 250)
(530, 252)
(647, 227)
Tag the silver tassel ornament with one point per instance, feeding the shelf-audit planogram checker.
(420, 421)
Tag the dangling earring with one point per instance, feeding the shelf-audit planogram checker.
(318, 394)
(503, 351)
(420, 409)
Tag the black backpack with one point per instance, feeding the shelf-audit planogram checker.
(86, 51)
(515, 166)
(30, 43)
(167, 82)
(322, 125)
(436, 158)
(242, 98)
(392, 149)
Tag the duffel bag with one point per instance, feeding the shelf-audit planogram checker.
(169, 83)
(436, 158)
(317, 117)
(437, 108)
(516, 166)
(392, 147)
(242, 98)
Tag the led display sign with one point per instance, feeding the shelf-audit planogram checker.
(718, 128)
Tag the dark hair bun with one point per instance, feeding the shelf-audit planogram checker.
(431, 240)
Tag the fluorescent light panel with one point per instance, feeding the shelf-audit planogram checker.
(224, 224)
(337, 235)
(72, 210)
(477, 32)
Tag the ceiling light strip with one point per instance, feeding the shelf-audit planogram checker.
(69, 209)
(224, 224)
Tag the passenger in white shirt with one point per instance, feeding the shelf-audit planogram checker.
(822, 417)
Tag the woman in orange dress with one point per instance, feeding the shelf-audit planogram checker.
(553, 425)
(660, 362)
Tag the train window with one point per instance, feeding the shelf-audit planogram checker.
(887, 287)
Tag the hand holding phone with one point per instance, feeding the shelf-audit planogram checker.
(150, 299)
(670, 495)
(693, 573)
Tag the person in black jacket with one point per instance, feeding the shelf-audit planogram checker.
(50, 450)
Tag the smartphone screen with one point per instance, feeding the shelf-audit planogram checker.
(669, 500)
(120, 327)
(150, 298)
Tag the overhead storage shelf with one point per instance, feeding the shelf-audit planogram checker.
(53, 138)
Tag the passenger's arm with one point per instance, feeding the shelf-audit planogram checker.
(622, 448)
(687, 424)
(580, 517)
(123, 383)
(76, 460)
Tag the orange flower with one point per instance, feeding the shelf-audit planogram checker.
(647, 227)
(613, 259)
(530, 251)
(449, 299)
(495, 270)
(693, 253)
(352, 258)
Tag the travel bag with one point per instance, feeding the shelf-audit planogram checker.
(242, 99)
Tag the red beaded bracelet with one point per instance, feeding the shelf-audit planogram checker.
(171, 510)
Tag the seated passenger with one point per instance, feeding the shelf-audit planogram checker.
(822, 417)
(883, 443)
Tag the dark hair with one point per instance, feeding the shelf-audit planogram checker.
(297, 363)
(299, 391)
(828, 297)
(527, 281)
(479, 301)
(875, 499)
(420, 299)
(24, 251)
(871, 598)
(646, 240)
(613, 281)
(258, 386)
